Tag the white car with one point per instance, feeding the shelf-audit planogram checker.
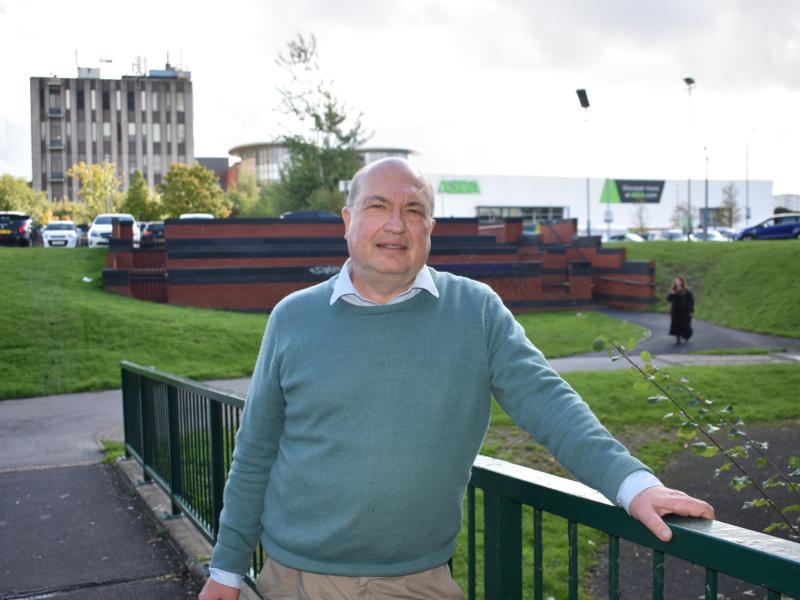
(60, 234)
(196, 216)
(100, 231)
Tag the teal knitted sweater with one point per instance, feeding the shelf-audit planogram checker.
(361, 425)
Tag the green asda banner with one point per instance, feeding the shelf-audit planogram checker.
(631, 190)
(459, 186)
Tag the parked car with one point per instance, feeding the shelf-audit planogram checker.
(100, 230)
(711, 235)
(310, 214)
(83, 234)
(152, 234)
(60, 234)
(196, 216)
(625, 237)
(778, 227)
(727, 232)
(15, 228)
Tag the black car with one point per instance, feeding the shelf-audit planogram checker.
(310, 215)
(152, 234)
(15, 228)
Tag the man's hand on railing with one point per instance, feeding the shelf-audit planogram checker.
(653, 503)
(216, 591)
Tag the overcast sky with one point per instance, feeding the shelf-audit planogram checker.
(477, 87)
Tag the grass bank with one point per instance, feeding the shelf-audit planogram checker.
(745, 285)
(63, 334)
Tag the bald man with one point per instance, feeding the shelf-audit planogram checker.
(368, 405)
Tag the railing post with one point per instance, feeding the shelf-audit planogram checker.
(502, 548)
(175, 482)
(147, 420)
(217, 464)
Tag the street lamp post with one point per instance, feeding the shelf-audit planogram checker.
(689, 85)
(705, 210)
(583, 98)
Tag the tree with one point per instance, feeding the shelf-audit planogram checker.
(680, 218)
(324, 148)
(17, 194)
(728, 213)
(192, 189)
(98, 187)
(140, 201)
(243, 197)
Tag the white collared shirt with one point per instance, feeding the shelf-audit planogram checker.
(344, 288)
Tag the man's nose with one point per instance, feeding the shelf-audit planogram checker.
(395, 221)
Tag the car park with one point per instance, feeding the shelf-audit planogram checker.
(625, 237)
(60, 234)
(100, 230)
(15, 228)
(675, 235)
(778, 227)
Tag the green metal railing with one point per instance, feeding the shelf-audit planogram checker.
(182, 433)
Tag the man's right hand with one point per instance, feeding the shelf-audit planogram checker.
(216, 591)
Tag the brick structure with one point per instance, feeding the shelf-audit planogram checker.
(250, 264)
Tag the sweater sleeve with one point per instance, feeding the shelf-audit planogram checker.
(547, 407)
(256, 446)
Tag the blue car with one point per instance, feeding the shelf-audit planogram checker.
(782, 226)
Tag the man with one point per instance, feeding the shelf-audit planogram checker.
(368, 404)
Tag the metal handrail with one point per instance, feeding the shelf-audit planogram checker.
(181, 432)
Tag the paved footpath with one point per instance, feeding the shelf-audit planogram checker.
(70, 528)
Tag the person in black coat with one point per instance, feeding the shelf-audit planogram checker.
(682, 309)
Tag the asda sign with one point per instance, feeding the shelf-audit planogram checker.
(459, 186)
(631, 190)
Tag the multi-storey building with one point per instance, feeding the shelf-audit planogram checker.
(139, 122)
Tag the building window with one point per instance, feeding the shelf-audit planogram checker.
(106, 100)
(69, 130)
(94, 99)
(56, 166)
(54, 100)
(94, 130)
(43, 130)
(106, 130)
(157, 163)
(167, 101)
(143, 98)
(131, 130)
(179, 102)
(156, 133)
(80, 100)
(169, 134)
(119, 100)
(131, 99)
(181, 133)
(66, 99)
(81, 131)
(55, 132)
(58, 191)
(154, 107)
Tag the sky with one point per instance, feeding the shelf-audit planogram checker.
(476, 87)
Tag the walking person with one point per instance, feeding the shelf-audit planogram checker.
(682, 309)
(369, 401)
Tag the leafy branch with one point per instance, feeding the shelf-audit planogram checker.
(694, 416)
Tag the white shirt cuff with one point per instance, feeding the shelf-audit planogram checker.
(233, 580)
(634, 483)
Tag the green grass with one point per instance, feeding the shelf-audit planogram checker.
(63, 335)
(113, 450)
(735, 351)
(746, 285)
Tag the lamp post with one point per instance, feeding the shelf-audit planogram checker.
(583, 98)
(689, 85)
(747, 179)
(705, 209)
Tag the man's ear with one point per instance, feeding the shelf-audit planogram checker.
(346, 218)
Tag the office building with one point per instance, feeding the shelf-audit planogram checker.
(142, 121)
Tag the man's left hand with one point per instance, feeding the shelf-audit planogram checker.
(653, 503)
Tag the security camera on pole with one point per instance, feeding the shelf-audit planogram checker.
(689, 85)
(583, 98)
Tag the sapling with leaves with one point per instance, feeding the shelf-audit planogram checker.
(702, 427)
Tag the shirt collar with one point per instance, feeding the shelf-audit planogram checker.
(343, 286)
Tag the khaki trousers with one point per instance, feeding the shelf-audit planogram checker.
(276, 582)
